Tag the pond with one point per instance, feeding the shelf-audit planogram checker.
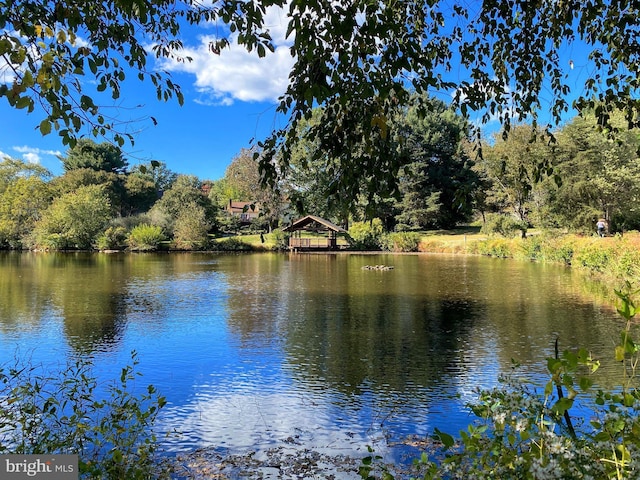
(256, 350)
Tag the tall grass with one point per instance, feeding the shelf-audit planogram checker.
(615, 259)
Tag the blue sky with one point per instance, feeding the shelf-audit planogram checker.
(229, 99)
(194, 139)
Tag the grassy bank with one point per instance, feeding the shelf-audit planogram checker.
(460, 240)
(614, 260)
(611, 260)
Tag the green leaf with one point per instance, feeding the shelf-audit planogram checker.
(602, 437)
(23, 102)
(628, 343)
(562, 405)
(548, 389)
(86, 102)
(628, 400)
(27, 80)
(45, 127)
(446, 439)
(117, 456)
(553, 365)
(585, 383)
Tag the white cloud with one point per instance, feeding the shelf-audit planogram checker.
(236, 74)
(31, 157)
(34, 155)
(6, 75)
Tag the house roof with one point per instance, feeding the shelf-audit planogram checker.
(311, 222)
(242, 207)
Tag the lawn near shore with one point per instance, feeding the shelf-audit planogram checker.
(459, 240)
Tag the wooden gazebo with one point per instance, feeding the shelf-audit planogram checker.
(317, 225)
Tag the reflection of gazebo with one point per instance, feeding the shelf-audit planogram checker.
(317, 225)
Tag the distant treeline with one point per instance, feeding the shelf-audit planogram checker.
(521, 179)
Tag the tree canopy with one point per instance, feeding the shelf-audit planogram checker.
(99, 157)
(439, 186)
(357, 59)
(604, 173)
(438, 182)
(511, 166)
(24, 193)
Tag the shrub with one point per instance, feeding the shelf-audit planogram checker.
(74, 220)
(128, 223)
(504, 225)
(366, 235)
(560, 250)
(531, 247)
(627, 262)
(145, 237)
(113, 238)
(280, 239)
(613, 259)
(260, 224)
(22, 202)
(401, 242)
(157, 216)
(52, 241)
(433, 245)
(495, 247)
(111, 430)
(190, 231)
(232, 244)
(229, 223)
(593, 255)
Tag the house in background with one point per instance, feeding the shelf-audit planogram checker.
(243, 211)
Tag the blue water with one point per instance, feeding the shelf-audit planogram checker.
(255, 350)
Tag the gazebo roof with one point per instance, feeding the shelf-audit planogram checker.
(311, 222)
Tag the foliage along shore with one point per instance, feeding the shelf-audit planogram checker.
(613, 261)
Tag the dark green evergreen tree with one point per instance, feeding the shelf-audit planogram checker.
(96, 156)
(437, 186)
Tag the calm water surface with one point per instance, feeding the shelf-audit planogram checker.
(258, 349)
